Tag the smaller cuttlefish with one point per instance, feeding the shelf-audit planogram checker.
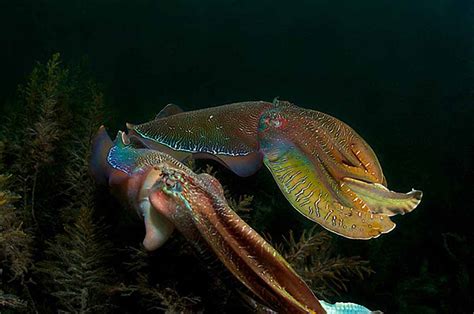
(169, 195)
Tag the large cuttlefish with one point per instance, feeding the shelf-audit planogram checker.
(167, 194)
(322, 166)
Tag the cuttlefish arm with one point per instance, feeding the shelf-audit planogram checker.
(196, 206)
(329, 173)
(251, 259)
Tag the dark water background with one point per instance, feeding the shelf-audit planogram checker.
(401, 73)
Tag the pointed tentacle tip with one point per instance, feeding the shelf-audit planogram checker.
(130, 126)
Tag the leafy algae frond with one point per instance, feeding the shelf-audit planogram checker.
(75, 268)
(15, 248)
(154, 297)
(312, 257)
(55, 224)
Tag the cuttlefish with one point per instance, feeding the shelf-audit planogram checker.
(169, 195)
(323, 167)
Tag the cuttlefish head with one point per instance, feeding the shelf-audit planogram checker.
(168, 189)
(130, 175)
(181, 189)
(329, 173)
(318, 136)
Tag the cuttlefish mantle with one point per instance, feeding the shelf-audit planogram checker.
(226, 134)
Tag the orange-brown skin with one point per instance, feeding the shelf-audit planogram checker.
(196, 206)
(329, 173)
(240, 248)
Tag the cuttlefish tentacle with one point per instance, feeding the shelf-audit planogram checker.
(322, 166)
(196, 206)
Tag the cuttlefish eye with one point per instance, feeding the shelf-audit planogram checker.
(273, 120)
(174, 186)
(276, 123)
(171, 184)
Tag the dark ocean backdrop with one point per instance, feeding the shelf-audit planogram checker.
(401, 73)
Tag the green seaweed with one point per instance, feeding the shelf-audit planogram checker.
(15, 250)
(312, 256)
(75, 269)
(48, 162)
(154, 296)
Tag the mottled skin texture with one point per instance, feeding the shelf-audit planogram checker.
(196, 206)
(322, 166)
(114, 166)
(251, 259)
(227, 133)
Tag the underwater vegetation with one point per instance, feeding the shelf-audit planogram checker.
(67, 246)
(15, 244)
(311, 256)
(63, 246)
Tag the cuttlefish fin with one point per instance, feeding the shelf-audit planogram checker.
(169, 110)
(381, 200)
(243, 166)
(138, 141)
(310, 189)
(228, 133)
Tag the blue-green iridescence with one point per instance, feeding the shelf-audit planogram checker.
(123, 158)
(345, 308)
(171, 186)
